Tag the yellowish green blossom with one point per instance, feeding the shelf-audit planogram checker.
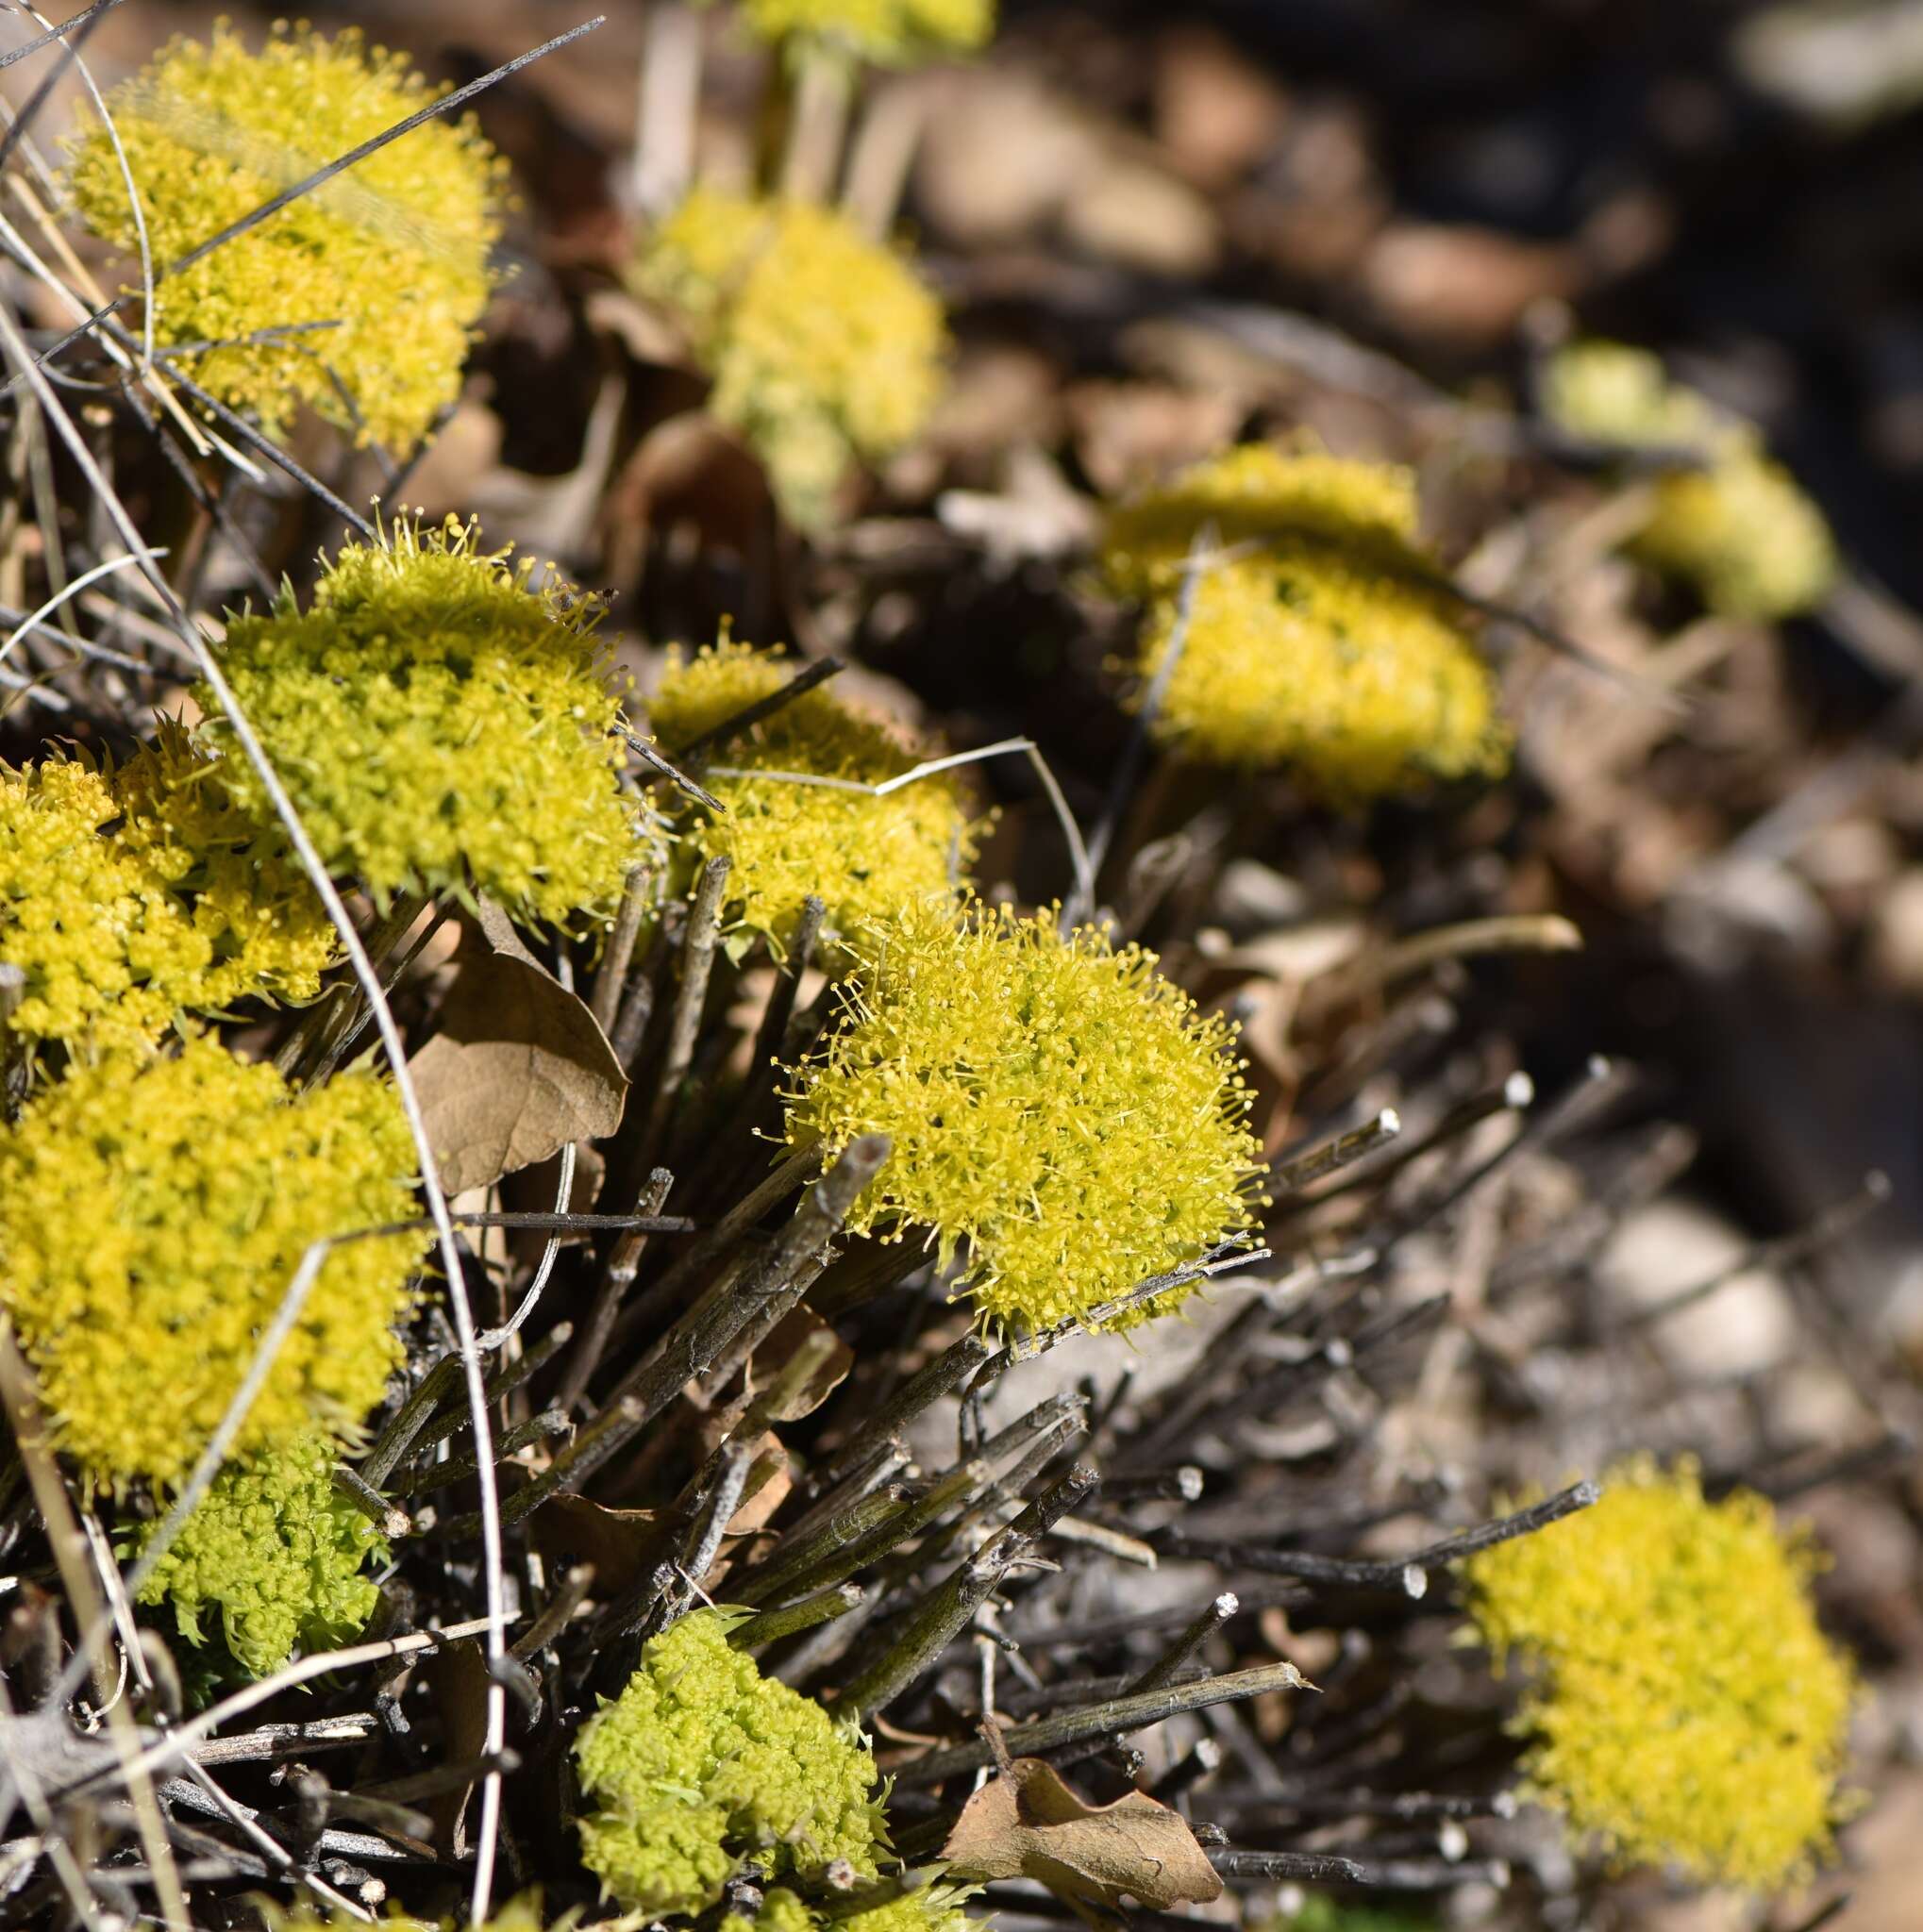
(1064, 1121)
(276, 1554)
(1321, 636)
(393, 252)
(522, 1914)
(131, 896)
(1737, 527)
(1684, 1705)
(153, 1215)
(889, 31)
(863, 856)
(441, 725)
(823, 348)
(929, 1909)
(701, 1761)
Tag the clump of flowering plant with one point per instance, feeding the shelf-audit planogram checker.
(129, 897)
(1730, 519)
(702, 1762)
(1319, 634)
(276, 1554)
(1684, 1706)
(1065, 1122)
(862, 853)
(391, 256)
(442, 724)
(825, 349)
(153, 1213)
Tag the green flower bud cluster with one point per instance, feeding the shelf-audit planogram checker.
(1738, 528)
(824, 348)
(1319, 634)
(151, 1217)
(890, 32)
(863, 854)
(131, 897)
(1686, 1708)
(701, 1762)
(277, 1554)
(393, 254)
(441, 724)
(1064, 1121)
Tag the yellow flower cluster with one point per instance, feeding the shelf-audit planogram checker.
(1319, 636)
(441, 724)
(824, 348)
(701, 1761)
(278, 1552)
(1738, 528)
(863, 856)
(891, 32)
(929, 1909)
(131, 897)
(521, 1915)
(152, 1216)
(1686, 1708)
(393, 254)
(1062, 1118)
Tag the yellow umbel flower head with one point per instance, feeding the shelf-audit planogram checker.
(1319, 637)
(131, 897)
(1686, 1708)
(152, 1215)
(441, 723)
(277, 1553)
(863, 856)
(702, 1762)
(1063, 1119)
(395, 251)
(824, 348)
(928, 1909)
(891, 32)
(1738, 528)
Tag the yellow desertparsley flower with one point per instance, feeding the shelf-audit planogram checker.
(1686, 1710)
(441, 724)
(928, 1909)
(824, 348)
(702, 1761)
(1318, 636)
(1738, 528)
(277, 1553)
(521, 1915)
(891, 32)
(1063, 1119)
(863, 856)
(152, 1215)
(131, 897)
(394, 253)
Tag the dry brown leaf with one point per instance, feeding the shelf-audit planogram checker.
(1027, 1824)
(517, 1070)
(829, 1358)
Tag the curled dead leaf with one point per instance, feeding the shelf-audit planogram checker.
(517, 1069)
(1028, 1824)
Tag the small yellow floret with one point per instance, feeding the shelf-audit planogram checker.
(1319, 637)
(863, 856)
(701, 1761)
(441, 724)
(929, 1909)
(889, 31)
(1062, 1117)
(395, 251)
(1686, 1708)
(521, 1915)
(131, 897)
(824, 348)
(278, 1552)
(152, 1216)
(1738, 528)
